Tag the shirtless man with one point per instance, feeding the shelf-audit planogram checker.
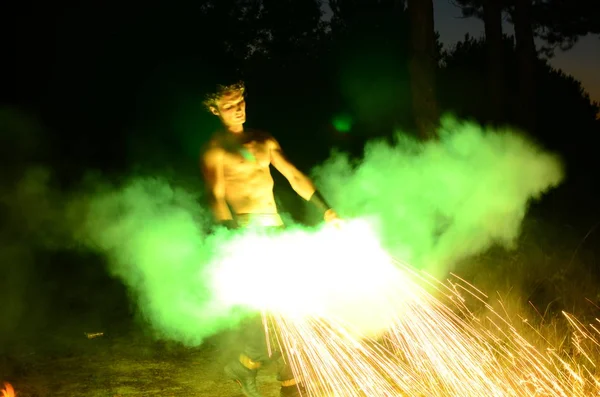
(236, 167)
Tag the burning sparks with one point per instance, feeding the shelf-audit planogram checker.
(93, 335)
(8, 390)
(357, 323)
(295, 282)
(432, 349)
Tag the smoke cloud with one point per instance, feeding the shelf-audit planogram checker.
(155, 238)
(437, 202)
(24, 206)
(429, 204)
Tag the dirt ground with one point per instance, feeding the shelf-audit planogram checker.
(123, 366)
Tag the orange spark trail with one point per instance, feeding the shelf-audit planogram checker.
(355, 322)
(431, 348)
(8, 390)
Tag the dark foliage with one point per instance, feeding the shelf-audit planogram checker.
(114, 86)
(559, 23)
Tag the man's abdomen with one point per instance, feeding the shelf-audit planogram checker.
(248, 199)
(259, 220)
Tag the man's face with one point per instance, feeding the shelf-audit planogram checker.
(231, 108)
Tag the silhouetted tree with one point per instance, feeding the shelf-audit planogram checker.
(566, 124)
(560, 23)
(462, 77)
(290, 27)
(422, 66)
(567, 121)
(521, 16)
(289, 35)
(526, 54)
(286, 74)
(370, 52)
(492, 17)
(557, 22)
(491, 13)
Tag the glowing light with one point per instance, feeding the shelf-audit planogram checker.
(433, 351)
(331, 273)
(342, 123)
(357, 323)
(8, 390)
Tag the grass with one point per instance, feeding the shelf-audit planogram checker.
(548, 289)
(548, 274)
(123, 365)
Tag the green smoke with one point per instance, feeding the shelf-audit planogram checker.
(154, 237)
(432, 204)
(437, 202)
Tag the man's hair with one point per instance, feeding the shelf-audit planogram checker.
(211, 99)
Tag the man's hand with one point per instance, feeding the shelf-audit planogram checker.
(331, 217)
(229, 224)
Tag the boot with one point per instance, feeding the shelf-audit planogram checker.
(245, 377)
(296, 390)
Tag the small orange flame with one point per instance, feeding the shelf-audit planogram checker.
(8, 390)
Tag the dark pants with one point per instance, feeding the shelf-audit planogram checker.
(254, 339)
(254, 346)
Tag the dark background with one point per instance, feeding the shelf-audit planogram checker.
(116, 88)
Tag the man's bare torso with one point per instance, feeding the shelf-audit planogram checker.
(248, 181)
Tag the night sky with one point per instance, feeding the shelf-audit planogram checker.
(582, 62)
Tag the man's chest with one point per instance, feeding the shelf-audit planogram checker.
(247, 158)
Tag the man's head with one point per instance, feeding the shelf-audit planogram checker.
(228, 104)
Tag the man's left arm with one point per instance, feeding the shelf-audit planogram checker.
(301, 183)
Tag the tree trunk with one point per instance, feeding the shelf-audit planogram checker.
(526, 57)
(423, 67)
(492, 18)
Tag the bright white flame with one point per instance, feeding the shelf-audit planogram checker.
(341, 274)
(8, 390)
(356, 323)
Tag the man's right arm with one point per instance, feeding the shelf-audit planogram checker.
(211, 164)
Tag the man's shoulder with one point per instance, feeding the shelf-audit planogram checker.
(262, 136)
(212, 147)
(259, 135)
